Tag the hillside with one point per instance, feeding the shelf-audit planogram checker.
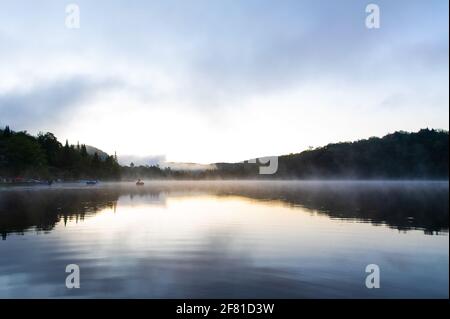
(401, 155)
(424, 154)
(91, 150)
(44, 157)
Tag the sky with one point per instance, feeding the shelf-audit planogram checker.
(222, 81)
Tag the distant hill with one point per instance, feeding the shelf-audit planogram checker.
(424, 154)
(179, 166)
(401, 155)
(91, 150)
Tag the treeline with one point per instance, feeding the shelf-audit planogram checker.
(44, 157)
(401, 155)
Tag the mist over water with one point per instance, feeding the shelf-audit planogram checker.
(270, 239)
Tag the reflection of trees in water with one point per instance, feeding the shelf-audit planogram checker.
(399, 206)
(402, 206)
(42, 210)
(22, 210)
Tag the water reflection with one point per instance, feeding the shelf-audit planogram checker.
(403, 206)
(228, 239)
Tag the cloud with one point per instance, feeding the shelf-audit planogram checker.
(45, 103)
(205, 80)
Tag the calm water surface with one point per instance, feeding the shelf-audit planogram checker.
(226, 239)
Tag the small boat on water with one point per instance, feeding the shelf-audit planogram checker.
(139, 183)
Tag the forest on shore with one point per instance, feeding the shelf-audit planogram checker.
(401, 155)
(44, 157)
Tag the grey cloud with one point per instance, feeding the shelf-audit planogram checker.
(270, 53)
(224, 52)
(49, 101)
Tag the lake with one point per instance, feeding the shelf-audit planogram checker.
(231, 239)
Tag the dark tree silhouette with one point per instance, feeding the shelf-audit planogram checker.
(401, 155)
(22, 155)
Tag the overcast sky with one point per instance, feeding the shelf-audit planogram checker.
(218, 80)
